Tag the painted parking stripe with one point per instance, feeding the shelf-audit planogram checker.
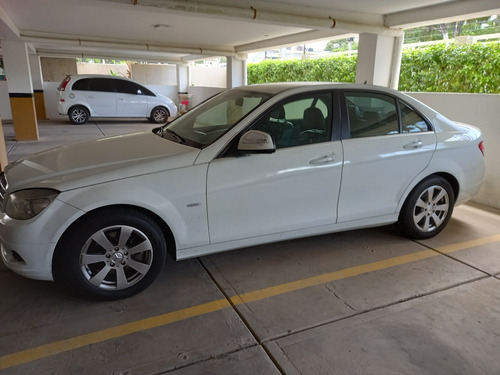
(358, 270)
(43, 351)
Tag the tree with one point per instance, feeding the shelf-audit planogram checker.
(445, 31)
(340, 45)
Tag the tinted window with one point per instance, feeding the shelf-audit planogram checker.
(102, 84)
(129, 87)
(372, 114)
(300, 121)
(82, 84)
(412, 122)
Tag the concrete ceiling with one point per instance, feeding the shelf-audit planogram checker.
(182, 30)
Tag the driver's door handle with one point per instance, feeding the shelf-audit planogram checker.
(413, 145)
(323, 160)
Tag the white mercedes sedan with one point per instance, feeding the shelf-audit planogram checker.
(252, 165)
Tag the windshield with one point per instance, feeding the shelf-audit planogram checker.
(207, 122)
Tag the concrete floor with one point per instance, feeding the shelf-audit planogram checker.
(359, 302)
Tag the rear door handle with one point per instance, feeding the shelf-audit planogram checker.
(323, 160)
(413, 145)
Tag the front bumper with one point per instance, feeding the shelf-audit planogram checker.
(27, 246)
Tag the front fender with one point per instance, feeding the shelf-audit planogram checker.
(176, 196)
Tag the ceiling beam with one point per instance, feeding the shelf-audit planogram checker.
(8, 29)
(73, 45)
(445, 12)
(259, 14)
(114, 55)
(294, 39)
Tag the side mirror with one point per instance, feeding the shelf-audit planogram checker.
(255, 141)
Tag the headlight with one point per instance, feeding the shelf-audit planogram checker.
(26, 204)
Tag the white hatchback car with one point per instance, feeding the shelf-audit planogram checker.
(84, 96)
(251, 165)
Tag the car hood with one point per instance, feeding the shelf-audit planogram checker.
(93, 162)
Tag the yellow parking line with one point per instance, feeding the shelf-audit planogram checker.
(43, 351)
(357, 270)
(57, 347)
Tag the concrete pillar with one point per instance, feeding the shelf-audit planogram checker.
(22, 102)
(3, 149)
(236, 73)
(37, 81)
(182, 77)
(379, 59)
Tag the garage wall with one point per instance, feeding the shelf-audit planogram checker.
(87, 68)
(482, 111)
(56, 69)
(5, 111)
(155, 74)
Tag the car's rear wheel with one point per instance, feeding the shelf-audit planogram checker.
(427, 209)
(78, 115)
(159, 115)
(111, 254)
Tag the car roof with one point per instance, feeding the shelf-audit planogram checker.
(79, 76)
(276, 88)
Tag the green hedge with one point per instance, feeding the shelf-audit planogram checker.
(340, 69)
(472, 68)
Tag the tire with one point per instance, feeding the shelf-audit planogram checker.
(112, 254)
(78, 115)
(159, 115)
(427, 209)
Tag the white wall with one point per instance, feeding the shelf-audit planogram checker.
(5, 111)
(482, 111)
(208, 76)
(202, 93)
(51, 99)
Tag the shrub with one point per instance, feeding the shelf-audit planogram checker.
(472, 68)
(340, 69)
(468, 68)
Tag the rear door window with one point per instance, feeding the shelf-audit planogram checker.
(129, 87)
(412, 122)
(102, 84)
(373, 114)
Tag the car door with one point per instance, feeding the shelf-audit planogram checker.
(296, 187)
(131, 99)
(388, 144)
(102, 97)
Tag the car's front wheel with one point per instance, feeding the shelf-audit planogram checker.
(427, 209)
(111, 254)
(78, 115)
(159, 115)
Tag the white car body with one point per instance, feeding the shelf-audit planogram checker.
(130, 99)
(212, 203)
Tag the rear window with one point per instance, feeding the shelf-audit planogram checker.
(102, 84)
(129, 87)
(82, 84)
(95, 84)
